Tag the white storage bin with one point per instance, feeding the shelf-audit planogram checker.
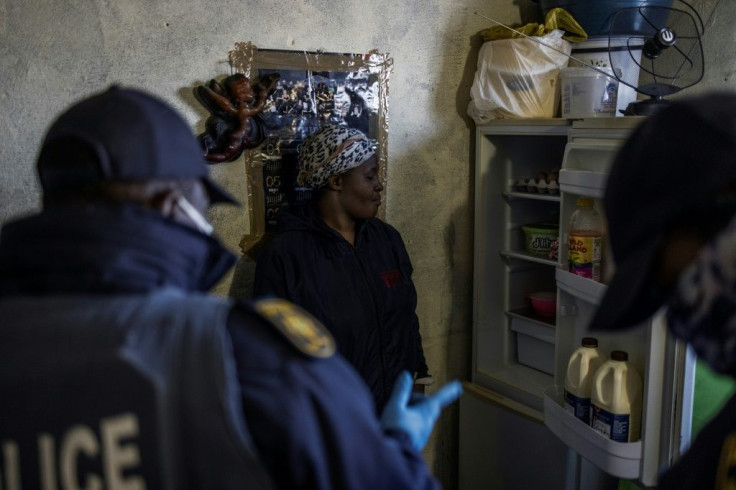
(588, 93)
(624, 53)
(535, 344)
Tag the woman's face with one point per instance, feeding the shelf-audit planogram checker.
(361, 190)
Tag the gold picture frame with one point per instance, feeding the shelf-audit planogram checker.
(314, 89)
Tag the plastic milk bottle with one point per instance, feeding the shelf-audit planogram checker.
(583, 364)
(585, 240)
(616, 399)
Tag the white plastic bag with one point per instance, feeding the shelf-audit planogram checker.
(518, 78)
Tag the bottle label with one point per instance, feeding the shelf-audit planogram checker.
(578, 407)
(612, 425)
(584, 256)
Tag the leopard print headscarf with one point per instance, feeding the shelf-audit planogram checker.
(332, 150)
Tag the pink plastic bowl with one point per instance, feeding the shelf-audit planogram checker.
(544, 303)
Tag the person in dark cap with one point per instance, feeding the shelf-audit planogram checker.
(670, 202)
(119, 370)
(351, 270)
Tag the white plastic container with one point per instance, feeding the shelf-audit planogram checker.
(586, 92)
(623, 53)
(535, 344)
(616, 399)
(581, 368)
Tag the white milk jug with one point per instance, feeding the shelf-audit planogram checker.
(583, 364)
(616, 399)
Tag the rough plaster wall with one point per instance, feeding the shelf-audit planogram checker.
(54, 52)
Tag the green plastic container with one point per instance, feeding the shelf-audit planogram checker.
(541, 239)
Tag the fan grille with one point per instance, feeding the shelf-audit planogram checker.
(667, 50)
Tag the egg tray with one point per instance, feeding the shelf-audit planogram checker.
(542, 184)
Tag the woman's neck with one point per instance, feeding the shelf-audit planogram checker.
(336, 218)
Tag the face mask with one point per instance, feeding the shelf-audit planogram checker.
(702, 310)
(220, 260)
(195, 216)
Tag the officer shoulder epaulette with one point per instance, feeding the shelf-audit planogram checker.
(300, 328)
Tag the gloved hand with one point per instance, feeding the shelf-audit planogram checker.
(419, 418)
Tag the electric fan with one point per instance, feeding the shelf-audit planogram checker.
(663, 56)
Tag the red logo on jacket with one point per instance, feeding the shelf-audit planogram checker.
(391, 278)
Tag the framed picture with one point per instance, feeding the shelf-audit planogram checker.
(314, 89)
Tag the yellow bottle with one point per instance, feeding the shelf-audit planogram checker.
(581, 367)
(585, 240)
(616, 399)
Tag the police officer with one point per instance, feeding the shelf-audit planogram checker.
(120, 371)
(670, 202)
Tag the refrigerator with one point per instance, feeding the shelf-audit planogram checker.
(514, 430)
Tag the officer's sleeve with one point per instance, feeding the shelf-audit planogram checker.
(312, 418)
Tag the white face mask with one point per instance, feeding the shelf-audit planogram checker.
(199, 221)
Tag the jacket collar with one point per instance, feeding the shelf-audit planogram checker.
(106, 248)
(305, 217)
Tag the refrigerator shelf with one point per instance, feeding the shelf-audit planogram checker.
(517, 382)
(530, 315)
(622, 460)
(512, 254)
(531, 195)
(586, 289)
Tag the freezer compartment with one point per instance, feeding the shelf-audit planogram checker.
(622, 460)
(583, 182)
(590, 157)
(535, 340)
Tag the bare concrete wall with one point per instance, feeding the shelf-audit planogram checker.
(53, 52)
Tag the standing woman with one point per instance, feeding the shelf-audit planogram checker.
(335, 259)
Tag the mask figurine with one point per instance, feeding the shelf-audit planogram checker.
(234, 105)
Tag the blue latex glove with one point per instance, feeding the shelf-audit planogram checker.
(416, 419)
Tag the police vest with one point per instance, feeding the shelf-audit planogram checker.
(121, 392)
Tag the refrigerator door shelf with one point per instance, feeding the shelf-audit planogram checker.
(622, 460)
(586, 289)
(583, 182)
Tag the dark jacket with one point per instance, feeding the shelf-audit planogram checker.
(311, 419)
(363, 294)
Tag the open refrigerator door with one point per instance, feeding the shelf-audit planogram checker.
(666, 367)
